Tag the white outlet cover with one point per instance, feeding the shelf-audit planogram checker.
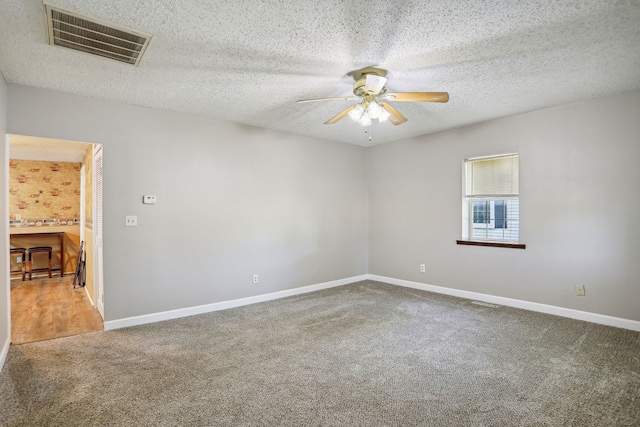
(131, 221)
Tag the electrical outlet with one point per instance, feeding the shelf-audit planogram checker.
(580, 290)
(131, 221)
(423, 268)
(255, 278)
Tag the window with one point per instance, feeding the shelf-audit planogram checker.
(491, 201)
(482, 212)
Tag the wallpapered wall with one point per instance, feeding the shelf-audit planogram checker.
(41, 190)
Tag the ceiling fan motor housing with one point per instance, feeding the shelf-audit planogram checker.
(359, 90)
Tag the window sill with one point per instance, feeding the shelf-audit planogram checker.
(494, 244)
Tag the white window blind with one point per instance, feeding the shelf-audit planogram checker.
(492, 176)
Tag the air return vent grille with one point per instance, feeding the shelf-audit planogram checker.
(485, 304)
(85, 34)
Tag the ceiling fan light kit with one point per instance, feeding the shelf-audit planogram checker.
(365, 112)
(369, 88)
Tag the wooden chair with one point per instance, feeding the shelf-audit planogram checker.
(39, 250)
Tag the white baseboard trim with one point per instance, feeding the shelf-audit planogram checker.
(89, 296)
(510, 302)
(4, 352)
(201, 309)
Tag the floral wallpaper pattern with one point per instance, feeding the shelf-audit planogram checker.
(44, 193)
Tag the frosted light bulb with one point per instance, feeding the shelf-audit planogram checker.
(374, 110)
(356, 113)
(365, 120)
(384, 116)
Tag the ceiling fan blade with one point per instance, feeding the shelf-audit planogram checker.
(338, 98)
(417, 96)
(341, 115)
(374, 83)
(396, 117)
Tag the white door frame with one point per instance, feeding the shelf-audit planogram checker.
(83, 195)
(6, 276)
(98, 276)
(5, 263)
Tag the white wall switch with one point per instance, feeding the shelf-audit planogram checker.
(149, 200)
(131, 221)
(580, 290)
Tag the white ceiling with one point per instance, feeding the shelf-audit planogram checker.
(249, 61)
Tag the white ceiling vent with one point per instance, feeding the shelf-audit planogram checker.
(89, 35)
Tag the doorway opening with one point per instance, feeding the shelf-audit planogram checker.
(55, 202)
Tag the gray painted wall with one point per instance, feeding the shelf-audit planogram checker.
(579, 204)
(233, 201)
(5, 315)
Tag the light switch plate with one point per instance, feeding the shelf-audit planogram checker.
(149, 200)
(131, 221)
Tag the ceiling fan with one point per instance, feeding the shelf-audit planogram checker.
(371, 91)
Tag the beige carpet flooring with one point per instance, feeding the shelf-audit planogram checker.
(365, 354)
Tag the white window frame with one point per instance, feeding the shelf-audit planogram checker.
(492, 208)
(468, 202)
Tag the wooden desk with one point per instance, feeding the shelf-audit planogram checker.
(38, 232)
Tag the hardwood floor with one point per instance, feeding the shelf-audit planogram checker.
(44, 308)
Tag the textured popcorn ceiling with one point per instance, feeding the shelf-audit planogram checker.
(249, 61)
